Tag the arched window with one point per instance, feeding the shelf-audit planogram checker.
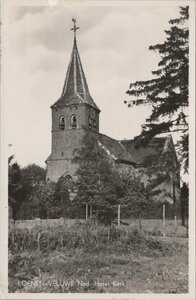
(73, 122)
(62, 123)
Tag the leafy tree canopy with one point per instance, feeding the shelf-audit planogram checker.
(98, 183)
(61, 203)
(167, 92)
(32, 175)
(39, 203)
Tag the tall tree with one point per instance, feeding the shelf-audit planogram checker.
(31, 177)
(136, 196)
(39, 202)
(61, 203)
(98, 184)
(167, 92)
(164, 174)
(14, 185)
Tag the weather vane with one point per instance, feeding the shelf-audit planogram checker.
(74, 28)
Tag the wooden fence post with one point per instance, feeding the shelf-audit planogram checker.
(174, 201)
(163, 215)
(175, 221)
(118, 214)
(164, 220)
(140, 221)
(38, 242)
(86, 211)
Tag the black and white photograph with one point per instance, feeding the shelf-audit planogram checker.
(97, 149)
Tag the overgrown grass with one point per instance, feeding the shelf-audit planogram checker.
(86, 235)
(88, 253)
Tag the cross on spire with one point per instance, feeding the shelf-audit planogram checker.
(74, 29)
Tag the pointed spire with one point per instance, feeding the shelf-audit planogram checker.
(75, 82)
(75, 89)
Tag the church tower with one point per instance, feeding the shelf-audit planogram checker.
(72, 114)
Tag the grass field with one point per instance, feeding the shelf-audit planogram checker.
(154, 226)
(97, 259)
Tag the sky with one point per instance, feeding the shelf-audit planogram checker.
(113, 42)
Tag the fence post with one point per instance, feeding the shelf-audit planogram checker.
(38, 242)
(118, 214)
(140, 221)
(175, 221)
(174, 201)
(164, 220)
(86, 211)
(163, 215)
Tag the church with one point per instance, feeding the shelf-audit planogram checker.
(74, 113)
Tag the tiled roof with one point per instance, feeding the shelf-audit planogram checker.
(140, 152)
(116, 149)
(75, 89)
(131, 151)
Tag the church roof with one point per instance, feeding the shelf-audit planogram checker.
(115, 149)
(133, 151)
(75, 89)
(140, 152)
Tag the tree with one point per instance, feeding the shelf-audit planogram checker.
(39, 203)
(184, 202)
(43, 199)
(164, 174)
(14, 185)
(61, 203)
(31, 178)
(98, 184)
(167, 93)
(136, 198)
(32, 175)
